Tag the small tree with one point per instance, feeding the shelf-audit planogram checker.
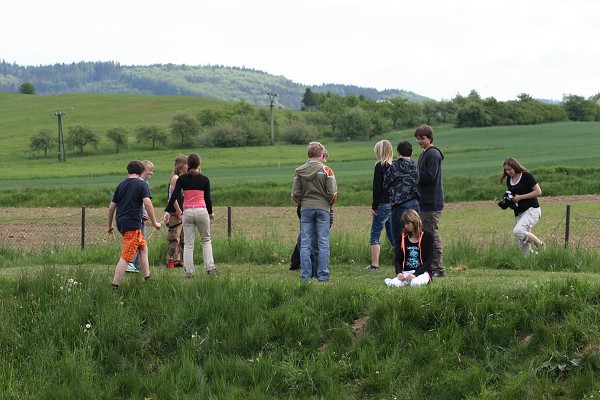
(430, 109)
(210, 117)
(42, 141)
(309, 101)
(82, 135)
(226, 134)
(27, 88)
(185, 128)
(118, 136)
(151, 133)
(396, 109)
(355, 123)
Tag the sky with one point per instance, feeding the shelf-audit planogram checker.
(435, 48)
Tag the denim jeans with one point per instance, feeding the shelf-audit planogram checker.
(383, 218)
(136, 260)
(397, 212)
(314, 232)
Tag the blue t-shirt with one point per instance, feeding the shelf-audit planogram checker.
(129, 197)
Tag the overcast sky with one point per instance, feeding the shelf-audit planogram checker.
(436, 48)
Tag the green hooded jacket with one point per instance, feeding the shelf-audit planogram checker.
(314, 186)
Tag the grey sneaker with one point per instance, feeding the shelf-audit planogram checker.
(372, 267)
(212, 272)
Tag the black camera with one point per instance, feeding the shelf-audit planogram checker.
(506, 201)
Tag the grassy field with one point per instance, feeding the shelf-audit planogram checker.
(563, 156)
(498, 327)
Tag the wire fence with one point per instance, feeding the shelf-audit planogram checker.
(61, 228)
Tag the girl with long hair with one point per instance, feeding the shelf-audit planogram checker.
(175, 235)
(525, 192)
(381, 209)
(414, 254)
(197, 213)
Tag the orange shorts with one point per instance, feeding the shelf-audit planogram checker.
(132, 241)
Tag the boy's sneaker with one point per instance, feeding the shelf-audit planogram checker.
(178, 264)
(212, 272)
(131, 268)
(372, 267)
(170, 264)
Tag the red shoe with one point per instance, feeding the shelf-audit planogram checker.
(170, 264)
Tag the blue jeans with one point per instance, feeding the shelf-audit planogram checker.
(383, 218)
(397, 212)
(136, 260)
(314, 232)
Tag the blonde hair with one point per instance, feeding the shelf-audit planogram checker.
(148, 164)
(412, 216)
(180, 161)
(384, 152)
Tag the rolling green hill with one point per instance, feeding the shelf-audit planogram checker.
(215, 82)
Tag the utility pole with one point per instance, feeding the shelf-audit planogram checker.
(62, 156)
(272, 99)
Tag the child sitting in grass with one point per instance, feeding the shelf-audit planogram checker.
(413, 254)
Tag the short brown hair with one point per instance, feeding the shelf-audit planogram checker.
(424, 131)
(135, 167)
(315, 149)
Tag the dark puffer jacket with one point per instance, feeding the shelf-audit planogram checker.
(401, 180)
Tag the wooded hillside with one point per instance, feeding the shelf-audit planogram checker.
(217, 82)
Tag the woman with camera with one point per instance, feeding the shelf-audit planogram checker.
(524, 191)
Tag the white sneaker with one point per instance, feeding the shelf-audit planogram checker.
(131, 268)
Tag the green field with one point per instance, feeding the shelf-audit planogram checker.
(499, 326)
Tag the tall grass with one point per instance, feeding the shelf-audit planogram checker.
(478, 334)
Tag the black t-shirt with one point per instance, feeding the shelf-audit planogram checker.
(523, 186)
(413, 256)
(129, 197)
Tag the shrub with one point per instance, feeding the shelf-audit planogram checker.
(225, 134)
(299, 132)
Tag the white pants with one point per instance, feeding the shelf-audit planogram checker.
(523, 224)
(196, 218)
(422, 279)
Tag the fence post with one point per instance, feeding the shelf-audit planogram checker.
(567, 225)
(229, 222)
(82, 227)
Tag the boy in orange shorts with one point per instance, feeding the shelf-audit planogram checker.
(127, 201)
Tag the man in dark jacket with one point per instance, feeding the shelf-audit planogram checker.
(431, 189)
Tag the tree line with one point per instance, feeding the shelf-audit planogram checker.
(324, 115)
